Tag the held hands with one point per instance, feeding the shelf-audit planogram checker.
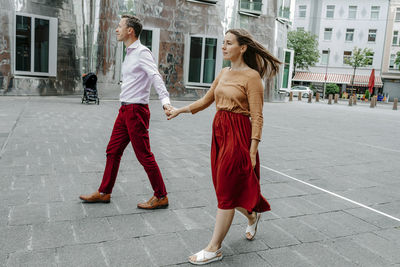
(170, 111)
(167, 109)
(173, 113)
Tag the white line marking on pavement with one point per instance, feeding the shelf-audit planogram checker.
(340, 139)
(333, 194)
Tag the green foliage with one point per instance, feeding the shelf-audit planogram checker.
(366, 94)
(359, 58)
(397, 60)
(332, 88)
(305, 46)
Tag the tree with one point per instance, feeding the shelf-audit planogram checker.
(359, 58)
(397, 60)
(305, 47)
(332, 88)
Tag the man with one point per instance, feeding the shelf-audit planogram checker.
(139, 72)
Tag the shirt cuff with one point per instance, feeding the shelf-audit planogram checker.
(165, 101)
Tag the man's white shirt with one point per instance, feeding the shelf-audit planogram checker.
(139, 72)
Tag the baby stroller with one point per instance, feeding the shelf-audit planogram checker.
(89, 81)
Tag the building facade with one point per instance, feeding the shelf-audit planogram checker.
(342, 25)
(46, 45)
(390, 71)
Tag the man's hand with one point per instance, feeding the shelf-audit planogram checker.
(167, 109)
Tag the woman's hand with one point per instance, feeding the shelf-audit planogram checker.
(172, 113)
(253, 151)
(253, 157)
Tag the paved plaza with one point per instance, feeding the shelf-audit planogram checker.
(330, 172)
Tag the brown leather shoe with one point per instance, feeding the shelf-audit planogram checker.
(154, 203)
(96, 197)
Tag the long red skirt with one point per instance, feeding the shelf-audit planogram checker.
(236, 183)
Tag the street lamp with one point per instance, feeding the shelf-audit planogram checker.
(326, 73)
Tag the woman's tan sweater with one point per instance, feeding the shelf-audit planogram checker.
(239, 92)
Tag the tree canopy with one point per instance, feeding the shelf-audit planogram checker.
(305, 47)
(360, 58)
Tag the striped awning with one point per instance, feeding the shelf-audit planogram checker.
(359, 80)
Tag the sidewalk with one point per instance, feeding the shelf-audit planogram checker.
(323, 166)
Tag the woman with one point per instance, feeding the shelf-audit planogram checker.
(238, 93)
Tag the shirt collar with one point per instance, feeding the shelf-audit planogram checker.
(133, 46)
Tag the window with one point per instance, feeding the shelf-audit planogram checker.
(324, 57)
(251, 6)
(328, 34)
(371, 35)
(392, 59)
(287, 68)
(302, 11)
(202, 60)
(397, 14)
(371, 56)
(35, 45)
(146, 37)
(349, 35)
(395, 38)
(330, 11)
(284, 9)
(375, 12)
(346, 56)
(352, 12)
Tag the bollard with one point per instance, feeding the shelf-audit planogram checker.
(299, 96)
(309, 98)
(372, 104)
(354, 100)
(375, 100)
(350, 101)
(317, 97)
(291, 96)
(330, 99)
(336, 98)
(395, 103)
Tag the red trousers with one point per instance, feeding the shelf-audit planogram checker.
(132, 125)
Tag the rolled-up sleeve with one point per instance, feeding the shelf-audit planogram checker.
(255, 96)
(148, 64)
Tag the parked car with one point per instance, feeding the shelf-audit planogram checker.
(300, 89)
(285, 91)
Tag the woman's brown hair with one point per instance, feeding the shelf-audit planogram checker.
(256, 56)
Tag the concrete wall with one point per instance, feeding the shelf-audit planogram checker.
(6, 28)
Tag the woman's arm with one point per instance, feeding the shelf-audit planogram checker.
(176, 111)
(255, 96)
(198, 105)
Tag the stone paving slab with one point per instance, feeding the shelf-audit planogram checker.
(53, 150)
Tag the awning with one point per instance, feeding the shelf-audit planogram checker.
(359, 80)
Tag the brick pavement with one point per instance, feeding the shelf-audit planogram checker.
(53, 149)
